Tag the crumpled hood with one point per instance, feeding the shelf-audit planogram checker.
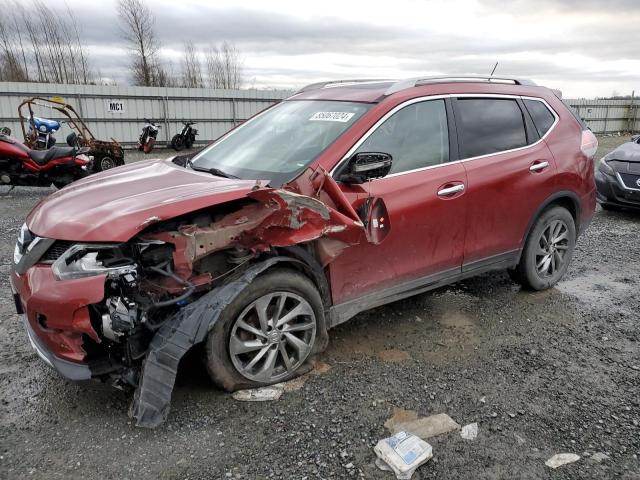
(115, 205)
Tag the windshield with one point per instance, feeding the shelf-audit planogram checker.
(279, 143)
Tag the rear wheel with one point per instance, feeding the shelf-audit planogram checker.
(148, 146)
(547, 251)
(268, 334)
(105, 163)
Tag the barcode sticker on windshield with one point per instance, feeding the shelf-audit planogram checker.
(331, 116)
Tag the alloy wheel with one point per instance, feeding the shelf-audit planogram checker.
(272, 337)
(552, 248)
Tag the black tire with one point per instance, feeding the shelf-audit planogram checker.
(177, 142)
(542, 263)
(104, 163)
(219, 362)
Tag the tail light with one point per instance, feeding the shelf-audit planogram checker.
(589, 143)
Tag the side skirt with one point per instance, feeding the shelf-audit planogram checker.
(341, 313)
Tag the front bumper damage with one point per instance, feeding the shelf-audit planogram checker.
(310, 212)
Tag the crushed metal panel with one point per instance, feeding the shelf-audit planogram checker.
(188, 326)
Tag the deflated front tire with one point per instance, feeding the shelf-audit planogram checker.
(268, 334)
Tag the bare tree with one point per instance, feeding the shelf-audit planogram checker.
(11, 68)
(42, 45)
(191, 71)
(224, 67)
(137, 27)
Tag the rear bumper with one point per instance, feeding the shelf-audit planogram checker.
(70, 370)
(609, 191)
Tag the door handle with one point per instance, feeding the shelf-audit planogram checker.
(539, 165)
(445, 192)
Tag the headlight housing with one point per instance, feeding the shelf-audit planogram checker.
(604, 167)
(88, 260)
(24, 239)
(43, 128)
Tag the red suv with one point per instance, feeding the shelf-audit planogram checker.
(345, 196)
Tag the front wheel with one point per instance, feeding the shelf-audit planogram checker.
(547, 251)
(268, 334)
(177, 142)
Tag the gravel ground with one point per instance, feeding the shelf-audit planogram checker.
(541, 373)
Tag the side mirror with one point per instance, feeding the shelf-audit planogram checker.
(365, 166)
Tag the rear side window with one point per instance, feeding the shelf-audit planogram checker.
(489, 125)
(542, 117)
(416, 136)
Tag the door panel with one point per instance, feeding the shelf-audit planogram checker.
(504, 192)
(510, 172)
(427, 233)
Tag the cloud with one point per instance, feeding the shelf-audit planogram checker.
(585, 44)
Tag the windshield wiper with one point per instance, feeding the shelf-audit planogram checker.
(214, 171)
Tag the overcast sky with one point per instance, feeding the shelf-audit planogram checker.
(583, 47)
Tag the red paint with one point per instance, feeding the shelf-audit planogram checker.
(115, 205)
(429, 234)
(63, 305)
(10, 150)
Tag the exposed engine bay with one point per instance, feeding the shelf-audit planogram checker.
(176, 275)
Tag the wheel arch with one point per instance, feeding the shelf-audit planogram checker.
(566, 199)
(301, 260)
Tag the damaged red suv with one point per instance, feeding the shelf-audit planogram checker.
(344, 197)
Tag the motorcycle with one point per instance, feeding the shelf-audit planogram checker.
(148, 136)
(22, 166)
(186, 138)
(42, 130)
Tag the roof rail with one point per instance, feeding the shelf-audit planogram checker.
(341, 83)
(415, 81)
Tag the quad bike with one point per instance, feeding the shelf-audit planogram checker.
(106, 154)
(20, 165)
(148, 136)
(186, 138)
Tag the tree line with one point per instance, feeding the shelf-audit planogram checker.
(39, 44)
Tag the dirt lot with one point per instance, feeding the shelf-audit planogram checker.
(556, 371)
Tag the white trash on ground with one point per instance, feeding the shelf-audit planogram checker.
(424, 427)
(263, 394)
(403, 453)
(560, 459)
(469, 432)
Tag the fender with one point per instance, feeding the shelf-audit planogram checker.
(187, 327)
(561, 195)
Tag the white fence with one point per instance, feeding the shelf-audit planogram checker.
(608, 116)
(118, 111)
